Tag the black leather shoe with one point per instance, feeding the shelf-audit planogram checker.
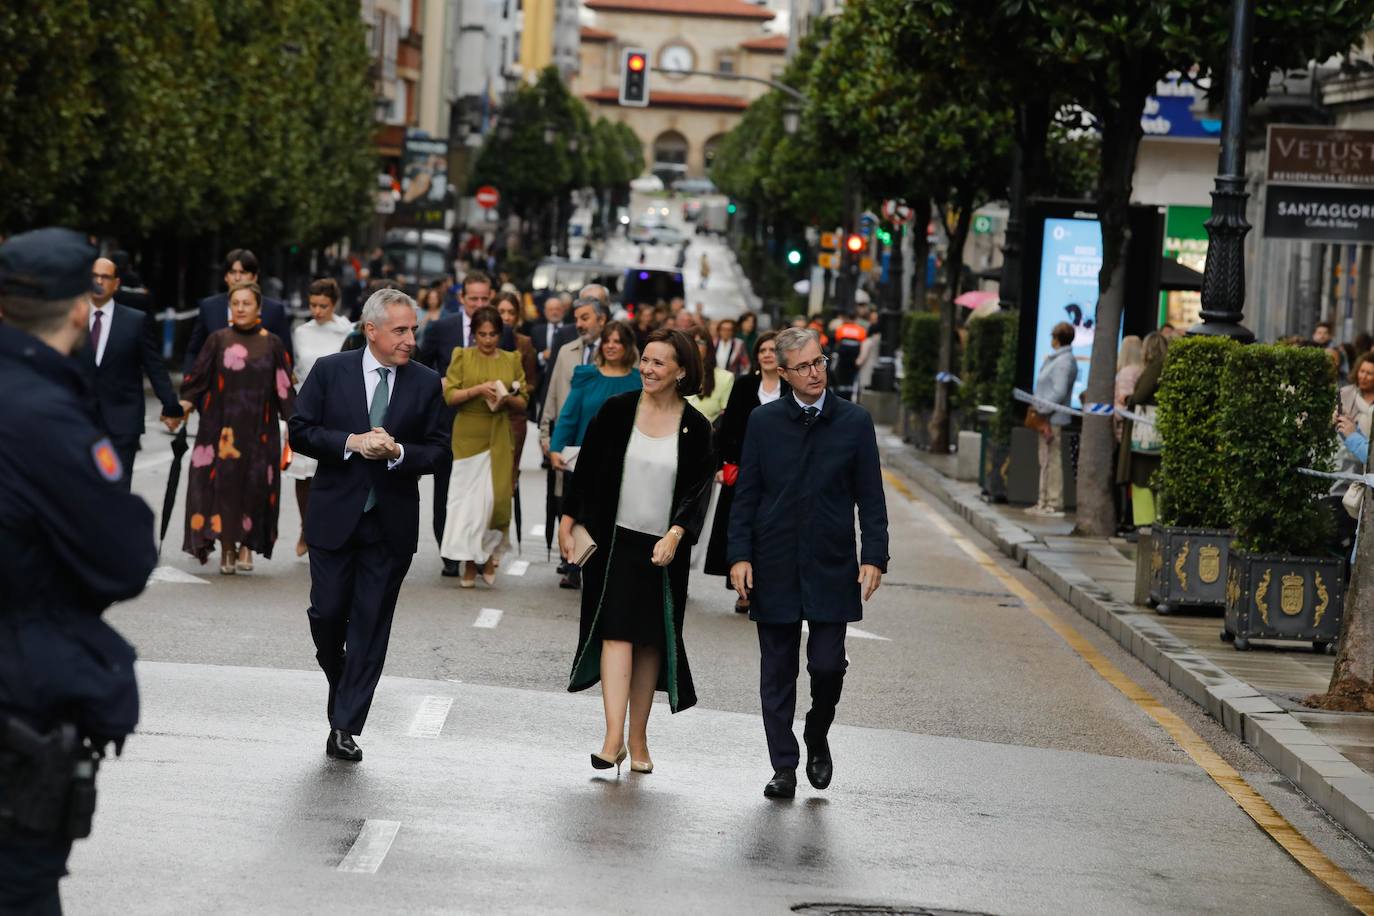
(782, 785)
(452, 569)
(819, 766)
(572, 580)
(341, 746)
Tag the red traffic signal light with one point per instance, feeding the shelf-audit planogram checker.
(854, 242)
(634, 77)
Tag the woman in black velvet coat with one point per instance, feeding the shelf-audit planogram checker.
(762, 385)
(634, 587)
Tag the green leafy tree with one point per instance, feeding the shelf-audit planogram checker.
(1118, 50)
(49, 98)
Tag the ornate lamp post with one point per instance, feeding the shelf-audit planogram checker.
(1223, 279)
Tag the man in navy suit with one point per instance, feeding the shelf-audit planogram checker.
(809, 460)
(441, 338)
(121, 350)
(371, 418)
(241, 266)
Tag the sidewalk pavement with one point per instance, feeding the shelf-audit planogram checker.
(1256, 695)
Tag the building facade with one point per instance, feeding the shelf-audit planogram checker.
(688, 115)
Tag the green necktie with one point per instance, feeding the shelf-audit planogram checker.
(376, 413)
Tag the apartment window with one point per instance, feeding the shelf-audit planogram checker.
(725, 63)
(405, 11)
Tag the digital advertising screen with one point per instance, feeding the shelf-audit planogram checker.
(1070, 259)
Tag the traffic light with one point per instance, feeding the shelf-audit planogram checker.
(731, 208)
(794, 257)
(855, 243)
(634, 78)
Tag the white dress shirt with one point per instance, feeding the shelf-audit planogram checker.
(370, 381)
(106, 312)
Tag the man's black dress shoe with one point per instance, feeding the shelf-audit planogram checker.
(341, 746)
(452, 569)
(819, 767)
(782, 785)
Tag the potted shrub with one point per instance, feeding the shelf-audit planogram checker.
(920, 362)
(1275, 405)
(1188, 544)
(989, 375)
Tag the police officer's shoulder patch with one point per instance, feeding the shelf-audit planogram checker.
(106, 459)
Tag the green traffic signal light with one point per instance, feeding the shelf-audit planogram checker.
(730, 207)
(794, 257)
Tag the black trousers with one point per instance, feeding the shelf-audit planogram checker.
(28, 879)
(441, 497)
(126, 452)
(779, 644)
(353, 593)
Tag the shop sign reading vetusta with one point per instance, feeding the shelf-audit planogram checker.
(1320, 156)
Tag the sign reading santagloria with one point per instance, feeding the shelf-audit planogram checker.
(1319, 214)
(1320, 184)
(1320, 156)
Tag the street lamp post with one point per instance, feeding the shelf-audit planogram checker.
(1223, 279)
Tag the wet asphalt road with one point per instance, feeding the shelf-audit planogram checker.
(980, 764)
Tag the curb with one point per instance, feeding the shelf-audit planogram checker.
(1343, 790)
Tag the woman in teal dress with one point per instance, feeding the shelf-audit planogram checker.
(612, 372)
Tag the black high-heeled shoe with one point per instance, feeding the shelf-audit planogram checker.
(605, 763)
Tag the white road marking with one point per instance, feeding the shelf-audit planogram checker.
(173, 575)
(143, 464)
(430, 717)
(488, 618)
(854, 631)
(537, 531)
(370, 848)
(518, 568)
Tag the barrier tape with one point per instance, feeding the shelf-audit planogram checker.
(169, 315)
(1101, 410)
(1366, 479)
(1125, 414)
(1043, 405)
(948, 377)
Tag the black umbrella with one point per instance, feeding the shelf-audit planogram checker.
(550, 513)
(169, 500)
(519, 522)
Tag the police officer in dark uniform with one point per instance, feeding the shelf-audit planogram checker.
(72, 542)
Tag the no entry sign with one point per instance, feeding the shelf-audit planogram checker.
(488, 197)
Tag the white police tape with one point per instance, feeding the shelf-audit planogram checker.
(948, 377)
(1125, 414)
(169, 315)
(1043, 405)
(1366, 479)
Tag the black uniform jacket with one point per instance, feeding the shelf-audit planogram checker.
(72, 542)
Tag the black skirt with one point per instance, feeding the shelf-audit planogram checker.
(634, 592)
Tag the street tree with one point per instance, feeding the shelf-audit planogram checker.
(1119, 50)
(905, 87)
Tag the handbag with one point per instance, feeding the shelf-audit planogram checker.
(570, 454)
(583, 545)
(1145, 437)
(1351, 499)
(729, 473)
(1036, 420)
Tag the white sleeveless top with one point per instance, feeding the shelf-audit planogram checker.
(646, 487)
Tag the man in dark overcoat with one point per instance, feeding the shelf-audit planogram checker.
(809, 459)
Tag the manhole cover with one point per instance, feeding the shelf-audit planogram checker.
(872, 909)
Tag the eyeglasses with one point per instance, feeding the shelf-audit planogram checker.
(816, 365)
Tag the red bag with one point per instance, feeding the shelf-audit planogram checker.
(729, 473)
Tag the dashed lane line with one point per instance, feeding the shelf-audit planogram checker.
(1222, 773)
(854, 631)
(488, 618)
(430, 717)
(368, 851)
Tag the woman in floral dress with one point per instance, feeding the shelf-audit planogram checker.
(241, 384)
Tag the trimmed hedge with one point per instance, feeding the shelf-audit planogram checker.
(1192, 468)
(920, 359)
(989, 370)
(1275, 406)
